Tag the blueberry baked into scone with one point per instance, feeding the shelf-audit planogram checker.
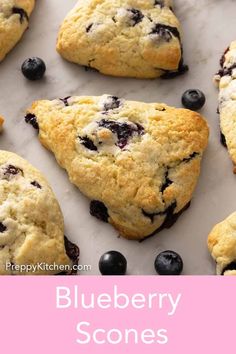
(225, 79)
(138, 162)
(130, 38)
(31, 222)
(222, 246)
(14, 20)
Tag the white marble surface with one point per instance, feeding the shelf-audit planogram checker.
(209, 26)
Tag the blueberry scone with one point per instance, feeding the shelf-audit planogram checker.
(31, 222)
(225, 79)
(14, 19)
(222, 246)
(137, 162)
(131, 38)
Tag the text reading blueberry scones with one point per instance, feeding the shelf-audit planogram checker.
(138, 162)
(31, 222)
(14, 19)
(130, 38)
(226, 80)
(222, 246)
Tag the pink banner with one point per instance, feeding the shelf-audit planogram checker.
(117, 315)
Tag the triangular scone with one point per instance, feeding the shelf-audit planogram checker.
(128, 38)
(1, 123)
(14, 20)
(222, 246)
(226, 80)
(138, 162)
(31, 222)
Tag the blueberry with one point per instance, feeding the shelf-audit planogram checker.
(99, 210)
(88, 28)
(21, 12)
(223, 140)
(12, 170)
(88, 143)
(72, 251)
(32, 119)
(171, 74)
(36, 184)
(136, 16)
(231, 266)
(222, 59)
(193, 99)
(33, 68)
(167, 182)
(112, 102)
(160, 3)
(168, 263)
(165, 32)
(227, 71)
(65, 100)
(123, 131)
(112, 263)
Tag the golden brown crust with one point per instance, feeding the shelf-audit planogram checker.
(14, 16)
(31, 222)
(226, 80)
(153, 174)
(222, 246)
(108, 36)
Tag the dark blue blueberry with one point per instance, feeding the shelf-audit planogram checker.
(73, 253)
(31, 119)
(168, 263)
(136, 16)
(231, 266)
(65, 100)
(223, 140)
(165, 32)
(222, 59)
(170, 219)
(193, 99)
(88, 28)
(88, 143)
(123, 130)
(167, 182)
(99, 210)
(112, 263)
(182, 69)
(72, 250)
(113, 102)
(168, 213)
(23, 14)
(2, 227)
(36, 184)
(12, 170)
(160, 3)
(33, 68)
(226, 71)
